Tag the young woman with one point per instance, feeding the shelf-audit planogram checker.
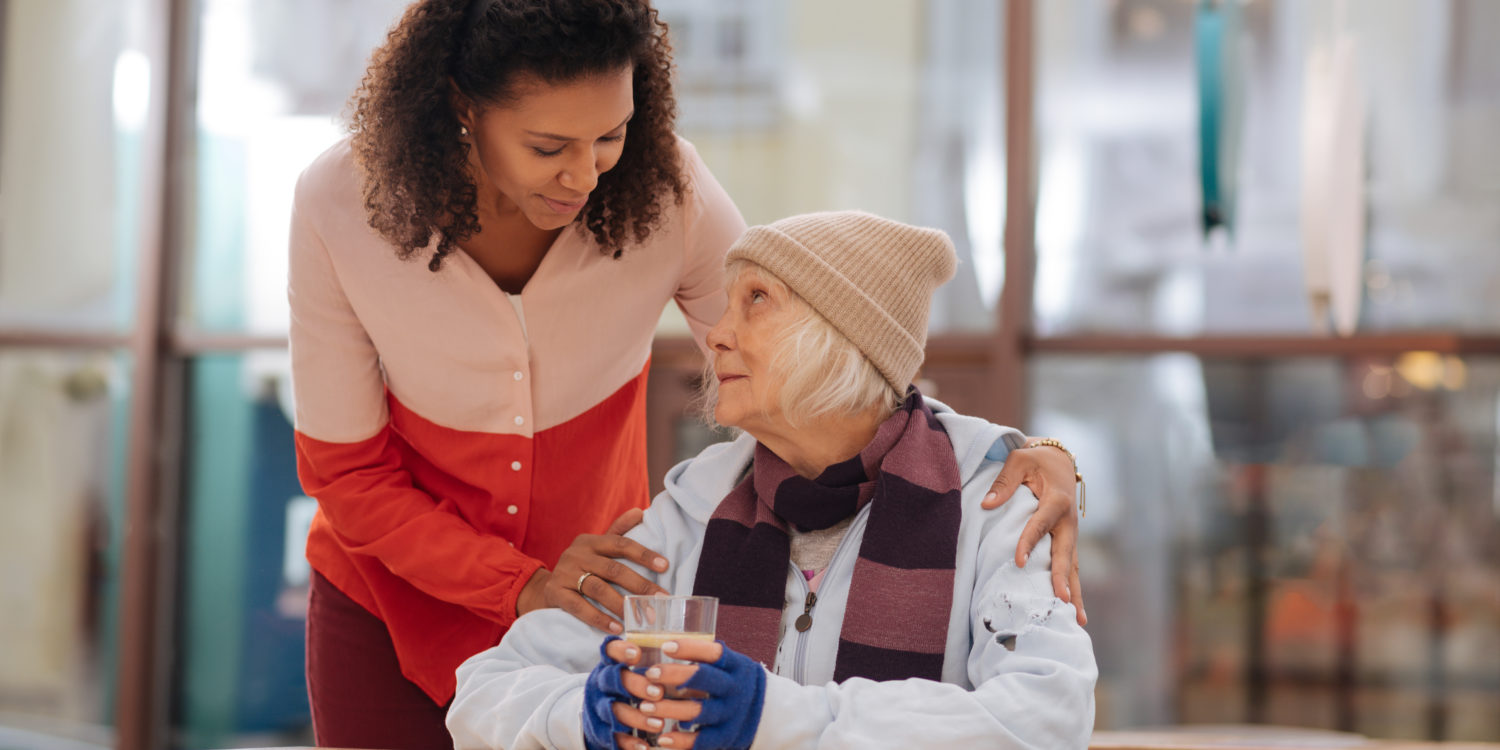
(475, 278)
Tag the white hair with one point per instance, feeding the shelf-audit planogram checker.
(822, 371)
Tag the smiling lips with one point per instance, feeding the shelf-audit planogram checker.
(564, 208)
(726, 377)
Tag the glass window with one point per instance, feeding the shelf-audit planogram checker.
(1309, 542)
(273, 79)
(729, 67)
(1119, 242)
(796, 109)
(63, 418)
(243, 589)
(74, 99)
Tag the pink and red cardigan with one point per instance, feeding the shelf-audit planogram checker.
(456, 438)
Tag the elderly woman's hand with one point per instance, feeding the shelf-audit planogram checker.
(609, 697)
(587, 568)
(1050, 475)
(731, 689)
(604, 697)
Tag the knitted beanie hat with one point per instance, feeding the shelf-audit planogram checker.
(871, 277)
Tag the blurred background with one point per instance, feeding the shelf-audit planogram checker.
(1252, 289)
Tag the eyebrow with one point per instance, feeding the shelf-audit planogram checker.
(556, 137)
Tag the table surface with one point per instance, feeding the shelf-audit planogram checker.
(1243, 737)
(1250, 737)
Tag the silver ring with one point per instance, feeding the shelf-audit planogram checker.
(579, 586)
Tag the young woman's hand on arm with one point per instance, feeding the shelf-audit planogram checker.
(585, 571)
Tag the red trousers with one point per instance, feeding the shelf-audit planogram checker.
(359, 697)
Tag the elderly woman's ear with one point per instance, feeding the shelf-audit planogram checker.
(1050, 474)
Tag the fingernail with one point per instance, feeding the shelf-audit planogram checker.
(648, 707)
(653, 691)
(669, 647)
(630, 653)
(616, 628)
(1084, 615)
(653, 673)
(1024, 557)
(665, 741)
(990, 498)
(654, 723)
(659, 563)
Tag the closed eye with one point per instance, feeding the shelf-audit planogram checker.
(554, 152)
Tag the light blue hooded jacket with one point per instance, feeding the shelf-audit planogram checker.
(1018, 671)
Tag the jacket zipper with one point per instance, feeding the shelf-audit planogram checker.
(804, 621)
(800, 653)
(799, 662)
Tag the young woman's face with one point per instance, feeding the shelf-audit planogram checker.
(544, 151)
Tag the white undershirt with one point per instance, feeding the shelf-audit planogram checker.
(515, 301)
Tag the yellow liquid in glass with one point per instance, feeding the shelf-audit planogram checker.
(655, 640)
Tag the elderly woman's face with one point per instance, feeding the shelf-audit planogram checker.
(743, 344)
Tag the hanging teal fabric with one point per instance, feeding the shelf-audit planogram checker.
(1220, 98)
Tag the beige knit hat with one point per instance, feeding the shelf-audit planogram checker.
(872, 278)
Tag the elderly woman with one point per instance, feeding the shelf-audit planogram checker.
(865, 598)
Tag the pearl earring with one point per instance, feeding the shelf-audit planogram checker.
(463, 131)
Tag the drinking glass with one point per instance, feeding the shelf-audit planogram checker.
(651, 621)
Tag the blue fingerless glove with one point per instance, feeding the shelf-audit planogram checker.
(603, 689)
(736, 686)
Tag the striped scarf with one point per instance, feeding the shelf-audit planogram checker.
(896, 622)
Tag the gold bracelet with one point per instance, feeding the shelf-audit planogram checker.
(1082, 488)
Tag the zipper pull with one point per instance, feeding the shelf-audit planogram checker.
(804, 621)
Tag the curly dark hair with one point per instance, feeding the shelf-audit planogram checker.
(405, 130)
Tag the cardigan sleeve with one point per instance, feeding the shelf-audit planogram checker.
(713, 223)
(346, 456)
